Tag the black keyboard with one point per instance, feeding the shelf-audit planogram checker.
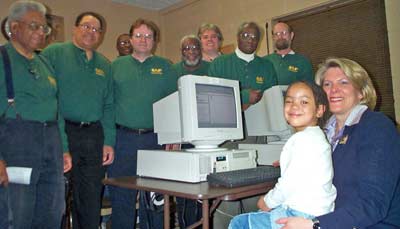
(243, 177)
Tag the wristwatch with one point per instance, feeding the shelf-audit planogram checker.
(315, 223)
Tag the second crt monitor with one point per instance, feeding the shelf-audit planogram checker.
(266, 117)
(205, 112)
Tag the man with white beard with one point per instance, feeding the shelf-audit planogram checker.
(189, 211)
(289, 66)
(192, 62)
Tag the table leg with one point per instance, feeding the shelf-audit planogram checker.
(206, 214)
(166, 212)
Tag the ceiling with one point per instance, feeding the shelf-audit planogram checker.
(149, 4)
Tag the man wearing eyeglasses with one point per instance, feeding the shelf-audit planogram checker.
(140, 80)
(124, 46)
(86, 104)
(189, 211)
(289, 66)
(30, 142)
(254, 73)
(192, 62)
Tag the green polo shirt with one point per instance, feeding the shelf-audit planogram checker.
(137, 86)
(34, 87)
(291, 68)
(202, 70)
(258, 74)
(85, 87)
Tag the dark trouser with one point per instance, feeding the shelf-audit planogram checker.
(124, 200)
(189, 211)
(34, 145)
(151, 216)
(86, 148)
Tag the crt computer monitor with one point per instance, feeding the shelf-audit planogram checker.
(266, 118)
(205, 112)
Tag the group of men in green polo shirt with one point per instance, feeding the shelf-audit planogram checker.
(142, 78)
(105, 109)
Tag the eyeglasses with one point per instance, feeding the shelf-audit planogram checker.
(248, 36)
(187, 48)
(145, 36)
(123, 43)
(34, 26)
(89, 28)
(283, 33)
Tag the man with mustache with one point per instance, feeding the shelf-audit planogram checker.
(189, 211)
(86, 104)
(192, 62)
(289, 66)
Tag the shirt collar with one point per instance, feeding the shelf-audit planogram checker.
(355, 115)
(353, 118)
(244, 56)
(289, 53)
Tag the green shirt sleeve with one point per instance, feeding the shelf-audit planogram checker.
(245, 95)
(61, 127)
(108, 119)
(173, 84)
(50, 54)
(272, 72)
(308, 74)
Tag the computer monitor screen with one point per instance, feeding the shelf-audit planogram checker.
(215, 106)
(205, 111)
(266, 118)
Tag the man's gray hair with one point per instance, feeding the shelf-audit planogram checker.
(19, 8)
(191, 36)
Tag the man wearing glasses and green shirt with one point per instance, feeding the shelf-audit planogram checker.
(29, 136)
(86, 105)
(140, 79)
(254, 73)
(289, 66)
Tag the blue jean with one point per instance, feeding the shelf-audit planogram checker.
(35, 145)
(265, 220)
(4, 209)
(123, 200)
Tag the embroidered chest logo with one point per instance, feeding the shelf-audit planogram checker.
(99, 72)
(156, 71)
(52, 81)
(293, 68)
(259, 79)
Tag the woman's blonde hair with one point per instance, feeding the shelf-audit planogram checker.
(357, 75)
